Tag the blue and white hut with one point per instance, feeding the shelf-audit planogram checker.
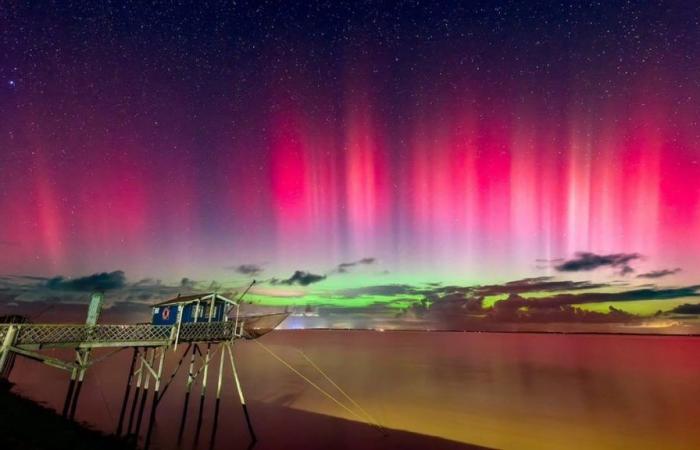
(207, 307)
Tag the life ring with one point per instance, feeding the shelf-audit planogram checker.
(166, 313)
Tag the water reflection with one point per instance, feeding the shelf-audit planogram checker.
(492, 390)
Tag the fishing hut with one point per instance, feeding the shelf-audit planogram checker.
(207, 324)
(208, 307)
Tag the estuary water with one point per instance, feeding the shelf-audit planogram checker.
(426, 389)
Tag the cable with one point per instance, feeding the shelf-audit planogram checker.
(316, 386)
(357, 405)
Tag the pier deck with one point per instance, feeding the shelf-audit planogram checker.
(45, 336)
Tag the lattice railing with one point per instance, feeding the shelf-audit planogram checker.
(58, 334)
(206, 331)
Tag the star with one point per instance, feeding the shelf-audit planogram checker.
(12, 83)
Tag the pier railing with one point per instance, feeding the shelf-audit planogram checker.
(67, 335)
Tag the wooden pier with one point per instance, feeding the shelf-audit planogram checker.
(202, 341)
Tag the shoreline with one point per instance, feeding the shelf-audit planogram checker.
(26, 424)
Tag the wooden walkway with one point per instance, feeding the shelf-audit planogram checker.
(45, 336)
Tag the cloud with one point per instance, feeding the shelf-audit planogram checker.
(187, 283)
(300, 278)
(659, 273)
(387, 290)
(687, 308)
(345, 267)
(104, 281)
(560, 300)
(585, 261)
(248, 269)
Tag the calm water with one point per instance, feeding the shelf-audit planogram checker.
(515, 391)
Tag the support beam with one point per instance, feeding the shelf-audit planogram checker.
(215, 426)
(6, 350)
(188, 389)
(127, 390)
(69, 394)
(203, 393)
(137, 392)
(82, 357)
(144, 397)
(156, 399)
(49, 361)
(240, 392)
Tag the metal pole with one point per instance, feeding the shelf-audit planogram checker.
(240, 393)
(127, 391)
(154, 407)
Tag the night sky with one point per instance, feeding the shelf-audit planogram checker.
(353, 153)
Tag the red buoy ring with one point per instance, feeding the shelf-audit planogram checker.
(166, 313)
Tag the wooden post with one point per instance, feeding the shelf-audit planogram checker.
(149, 364)
(190, 379)
(127, 390)
(82, 358)
(202, 395)
(137, 391)
(6, 350)
(154, 407)
(240, 393)
(69, 395)
(215, 426)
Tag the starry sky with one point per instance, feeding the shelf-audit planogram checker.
(353, 153)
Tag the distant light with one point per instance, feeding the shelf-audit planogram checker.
(12, 83)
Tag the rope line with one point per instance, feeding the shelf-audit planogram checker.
(305, 378)
(357, 405)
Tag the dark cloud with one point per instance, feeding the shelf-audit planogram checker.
(300, 278)
(585, 261)
(344, 267)
(525, 285)
(559, 300)
(248, 269)
(187, 283)
(687, 308)
(29, 277)
(104, 281)
(382, 290)
(659, 273)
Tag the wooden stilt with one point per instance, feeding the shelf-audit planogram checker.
(215, 425)
(156, 399)
(6, 355)
(240, 393)
(190, 379)
(69, 395)
(82, 358)
(177, 368)
(146, 385)
(202, 395)
(137, 392)
(127, 391)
